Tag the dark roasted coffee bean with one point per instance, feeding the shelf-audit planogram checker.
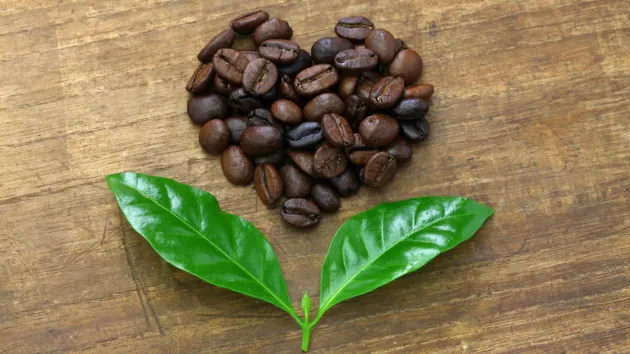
(358, 153)
(237, 167)
(400, 45)
(273, 29)
(354, 60)
(302, 62)
(270, 96)
(324, 49)
(230, 64)
(243, 44)
(347, 183)
(286, 111)
(276, 158)
(323, 104)
(201, 79)
(247, 23)
(316, 79)
(410, 108)
(408, 65)
(222, 86)
(325, 197)
(347, 85)
(262, 116)
(379, 169)
(415, 130)
(300, 213)
(221, 40)
(383, 44)
(304, 136)
(259, 77)
(236, 125)
(336, 130)
(400, 150)
(268, 184)
(251, 55)
(387, 92)
(261, 140)
(365, 81)
(422, 91)
(242, 103)
(280, 51)
(329, 161)
(356, 108)
(288, 91)
(297, 183)
(214, 136)
(202, 109)
(304, 160)
(354, 28)
(378, 130)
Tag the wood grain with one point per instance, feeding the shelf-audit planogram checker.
(531, 116)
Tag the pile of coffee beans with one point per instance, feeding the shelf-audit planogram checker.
(309, 127)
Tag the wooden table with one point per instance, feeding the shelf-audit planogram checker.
(531, 116)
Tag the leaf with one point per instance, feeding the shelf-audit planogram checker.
(187, 229)
(306, 306)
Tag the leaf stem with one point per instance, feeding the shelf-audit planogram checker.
(306, 336)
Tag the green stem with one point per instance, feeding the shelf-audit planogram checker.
(306, 337)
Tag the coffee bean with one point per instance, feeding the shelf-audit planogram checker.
(324, 49)
(304, 160)
(325, 197)
(356, 108)
(347, 85)
(259, 77)
(296, 183)
(279, 50)
(288, 91)
(221, 40)
(230, 64)
(222, 86)
(316, 79)
(202, 109)
(214, 136)
(400, 149)
(286, 111)
(251, 54)
(358, 154)
(323, 104)
(329, 161)
(273, 29)
(422, 91)
(379, 169)
(270, 96)
(408, 65)
(268, 184)
(302, 62)
(276, 158)
(247, 23)
(387, 92)
(337, 131)
(383, 44)
(243, 44)
(261, 116)
(242, 103)
(354, 28)
(260, 140)
(236, 125)
(300, 213)
(400, 45)
(347, 183)
(410, 108)
(378, 130)
(415, 130)
(354, 60)
(365, 81)
(237, 167)
(201, 79)
(304, 136)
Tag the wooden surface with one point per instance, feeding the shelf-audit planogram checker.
(531, 116)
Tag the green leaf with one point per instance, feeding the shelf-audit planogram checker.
(306, 306)
(187, 229)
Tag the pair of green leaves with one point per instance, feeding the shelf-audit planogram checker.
(187, 228)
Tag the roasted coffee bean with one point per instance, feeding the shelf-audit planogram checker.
(347, 85)
(276, 158)
(410, 108)
(354, 28)
(222, 86)
(365, 81)
(286, 111)
(325, 49)
(300, 213)
(378, 130)
(201, 79)
(236, 125)
(304, 160)
(243, 44)
(323, 104)
(400, 150)
(270, 96)
(279, 50)
(262, 116)
(316, 79)
(273, 29)
(354, 60)
(259, 77)
(214, 136)
(260, 140)
(202, 109)
(379, 169)
(304, 136)
(247, 23)
(415, 130)
(358, 153)
(356, 108)
(408, 65)
(325, 197)
(297, 183)
(347, 183)
(400, 45)
(383, 44)
(336, 130)
(237, 167)
(302, 62)
(251, 55)
(288, 91)
(268, 184)
(387, 92)
(230, 64)
(242, 103)
(422, 91)
(329, 161)
(221, 40)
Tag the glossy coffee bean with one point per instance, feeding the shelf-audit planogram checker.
(242, 103)
(201, 80)
(323, 104)
(354, 28)
(355, 60)
(237, 167)
(415, 130)
(236, 125)
(275, 28)
(230, 64)
(222, 86)
(251, 54)
(303, 160)
(347, 183)
(347, 85)
(378, 130)
(300, 213)
(247, 23)
(202, 109)
(288, 91)
(286, 112)
(410, 108)
(356, 108)
(387, 92)
(221, 40)
(400, 150)
(365, 81)
(383, 44)
(329, 161)
(422, 91)
(306, 135)
(276, 158)
(279, 50)
(325, 49)
(261, 116)
(408, 65)
(214, 136)
(316, 79)
(268, 184)
(297, 183)
(337, 131)
(270, 96)
(259, 77)
(260, 140)
(302, 62)
(358, 154)
(379, 169)
(243, 44)
(400, 45)
(325, 197)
